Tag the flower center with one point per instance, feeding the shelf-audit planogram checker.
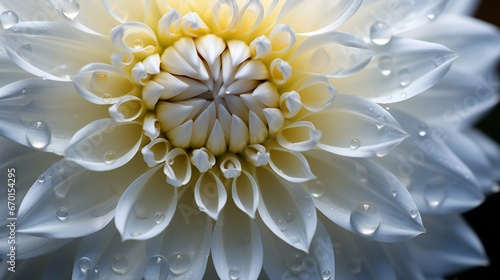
(211, 93)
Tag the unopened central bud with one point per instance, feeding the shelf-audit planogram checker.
(211, 93)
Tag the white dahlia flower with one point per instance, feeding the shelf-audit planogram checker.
(243, 139)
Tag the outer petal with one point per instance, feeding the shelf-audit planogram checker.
(360, 128)
(290, 165)
(286, 209)
(363, 197)
(29, 246)
(438, 180)
(31, 113)
(9, 71)
(317, 16)
(490, 149)
(210, 194)
(465, 7)
(237, 250)
(104, 144)
(102, 255)
(146, 207)
(39, 10)
(399, 70)
(245, 193)
(185, 243)
(70, 201)
(285, 262)
(30, 43)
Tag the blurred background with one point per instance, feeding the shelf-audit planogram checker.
(486, 219)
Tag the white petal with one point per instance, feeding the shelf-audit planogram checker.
(252, 70)
(490, 148)
(104, 144)
(281, 71)
(151, 126)
(317, 16)
(333, 54)
(210, 194)
(290, 104)
(399, 70)
(282, 38)
(210, 47)
(225, 14)
(315, 93)
(134, 37)
(70, 201)
(245, 193)
(274, 118)
(238, 52)
(185, 243)
(466, 7)
(299, 136)
(30, 52)
(267, 94)
(172, 115)
(127, 109)
(260, 47)
(363, 197)
(251, 15)
(181, 136)
(258, 132)
(238, 139)
(177, 167)
(30, 113)
(155, 152)
(230, 166)
(290, 165)
(361, 128)
(102, 83)
(146, 207)
(29, 246)
(202, 159)
(216, 142)
(286, 209)
(123, 12)
(172, 85)
(236, 246)
(282, 261)
(257, 155)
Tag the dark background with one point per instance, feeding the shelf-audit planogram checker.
(486, 219)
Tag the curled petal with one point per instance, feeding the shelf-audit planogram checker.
(290, 104)
(127, 109)
(251, 15)
(363, 197)
(246, 193)
(236, 245)
(169, 26)
(104, 144)
(230, 167)
(257, 155)
(260, 47)
(210, 194)
(313, 17)
(151, 126)
(286, 209)
(290, 165)
(274, 118)
(177, 167)
(281, 71)
(362, 128)
(316, 93)
(155, 152)
(225, 14)
(193, 25)
(333, 54)
(202, 159)
(299, 136)
(146, 207)
(102, 83)
(134, 37)
(282, 38)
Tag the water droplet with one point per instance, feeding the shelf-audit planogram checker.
(394, 193)
(385, 65)
(370, 108)
(234, 273)
(294, 239)
(355, 144)
(295, 263)
(380, 121)
(365, 218)
(281, 225)
(41, 179)
(135, 233)
(179, 263)
(99, 82)
(70, 8)
(414, 213)
(106, 98)
(403, 94)
(431, 15)
(8, 19)
(405, 77)
(380, 33)
(158, 217)
(62, 214)
(156, 268)
(138, 44)
(422, 129)
(387, 106)
(436, 191)
(38, 134)
(84, 264)
(326, 275)
(96, 269)
(316, 188)
(109, 157)
(289, 217)
(119, 264)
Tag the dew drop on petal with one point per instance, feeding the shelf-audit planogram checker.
(422, 130)
(289, 217)
(380, 33)
(8, 19)
(295, 263)
(138, 44)
(99, 81)
(119, 264)
(84, 264)
(135, 233)
(394, 193)
(414, 213)
(234, 273)
(387, 106)
(281, 224)
(365, 218)
(385, 65)
(41, 179)
(179, 263)
(355, 144)
(106, 98)
(436, 191)
(109, 157)
(158, 217)
(405, 77)
(316, 188)
(431, 15)
(294, 239)
(156, 268)
(62, 214)
(326, 275)
(70, 8)
(38, 134)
